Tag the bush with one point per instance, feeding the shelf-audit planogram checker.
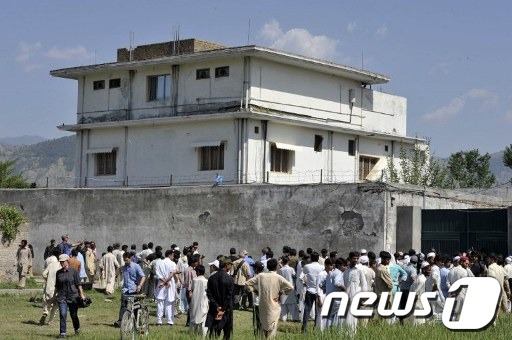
(10, 220)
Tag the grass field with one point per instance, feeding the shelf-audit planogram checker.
(19, 320)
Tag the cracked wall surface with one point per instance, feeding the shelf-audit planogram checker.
(342, 217)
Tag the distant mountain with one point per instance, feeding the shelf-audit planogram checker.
(22, 140)
(503, 174)
(50, 161)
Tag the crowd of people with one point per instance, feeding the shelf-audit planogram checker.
(289, 287)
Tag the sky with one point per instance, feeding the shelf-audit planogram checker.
(452, 60)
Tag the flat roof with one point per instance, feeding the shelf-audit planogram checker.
(318, 65)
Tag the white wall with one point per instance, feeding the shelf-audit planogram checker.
(292, 89)
(155, 153)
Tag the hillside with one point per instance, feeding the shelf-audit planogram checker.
(53, 159)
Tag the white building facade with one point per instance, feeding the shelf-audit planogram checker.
(160, 116)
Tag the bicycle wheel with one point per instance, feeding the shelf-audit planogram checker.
(127, 326)
(144, 321)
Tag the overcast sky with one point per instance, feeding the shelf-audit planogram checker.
(452, 60)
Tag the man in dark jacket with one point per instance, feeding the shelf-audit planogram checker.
(220, 298)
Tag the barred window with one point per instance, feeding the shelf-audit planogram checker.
(366, 165)
(280, 159)
(106, 163)
(211, 157)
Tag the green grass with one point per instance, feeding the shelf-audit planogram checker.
(19, 319)
(29, 284)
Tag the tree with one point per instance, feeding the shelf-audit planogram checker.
(417, 166)
(8, 179)
(507, 156)
(469, 169)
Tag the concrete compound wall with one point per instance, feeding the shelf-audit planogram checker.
(340, 217)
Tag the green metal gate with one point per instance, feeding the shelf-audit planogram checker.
(448, 231)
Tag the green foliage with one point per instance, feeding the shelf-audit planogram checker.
(10, 220)
(8, 179)
(417, 167)
(507, 156)
(469, 169)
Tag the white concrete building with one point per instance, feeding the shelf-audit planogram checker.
(185, 112)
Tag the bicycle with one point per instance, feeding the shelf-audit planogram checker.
(136, 318)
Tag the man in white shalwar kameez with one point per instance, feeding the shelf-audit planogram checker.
(458, 272)
(418, 287)
(269, 286)
(109, 266)
(500, 274)
(288, 302)
(165, 290)
(199, 303)
(50, 305)
(354, 281)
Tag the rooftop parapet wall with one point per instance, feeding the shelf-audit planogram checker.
(166, 49)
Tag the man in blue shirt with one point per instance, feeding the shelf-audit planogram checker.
(65, 246)
(133, 280)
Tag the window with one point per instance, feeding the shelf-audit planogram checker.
(159, 87)
(113, 83)
(280, 159)
(318, 143)
(366, 165)
(386, 148)
(211, 157)
(203, 73)
(98, 85)
(351, 147)
(106, 163)
(256, 129)
(222, 72)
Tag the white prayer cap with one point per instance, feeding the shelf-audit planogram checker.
(364, 259)
(407, 256)
(432, 254)
(456, 258)
(214, 263)
(176, 248)
(363, 251)
(424, 264)
(508, 260)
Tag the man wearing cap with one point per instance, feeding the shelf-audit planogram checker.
(508, 269)
(459, 271)
(418, 286)
(270, 287)
(354, 282)
(241, 273)
(214, 267)
(433, 284)
(68, 289)
(220, 296)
